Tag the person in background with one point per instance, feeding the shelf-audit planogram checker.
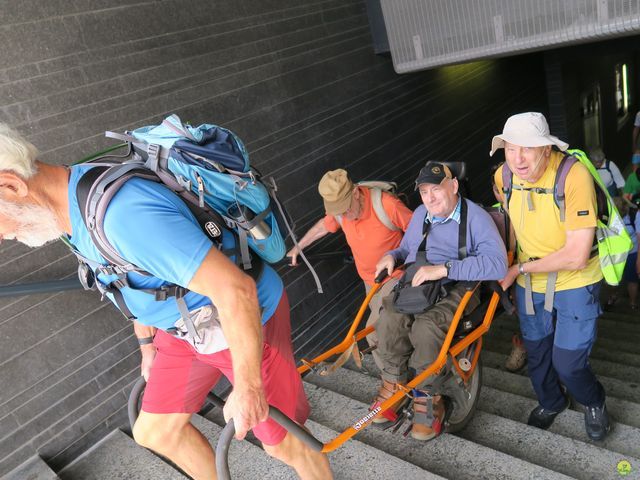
(608, 171)
(352, 208)
(517, 358)
(636, 132)
(632, 185)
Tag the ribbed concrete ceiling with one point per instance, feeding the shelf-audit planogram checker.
(430, 33)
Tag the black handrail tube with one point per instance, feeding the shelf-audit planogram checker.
(40, 287)
(222, 447)
(134, 396)
(222, 451)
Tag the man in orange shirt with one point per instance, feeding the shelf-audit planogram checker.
(352, 208)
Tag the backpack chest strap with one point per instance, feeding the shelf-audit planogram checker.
(529, 190)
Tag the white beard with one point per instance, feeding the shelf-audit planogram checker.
(36, 225)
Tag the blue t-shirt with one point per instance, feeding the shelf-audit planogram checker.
(152, 228)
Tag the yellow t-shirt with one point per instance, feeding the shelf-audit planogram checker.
(540, 232)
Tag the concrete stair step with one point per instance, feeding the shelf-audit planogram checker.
(622, 439)
(260, 465)
(500, 426)
(117, 456)
(546, 448)
(612, 366)
(622, 410)
(353, 460)
(609, 322)
(34, 468)
(625, 315)
(613, 350)
(511, 395)
(623, 396)
(609, 337)
(450, 456)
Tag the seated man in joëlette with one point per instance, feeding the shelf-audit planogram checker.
(430, 249)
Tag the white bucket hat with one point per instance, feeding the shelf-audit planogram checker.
(526, 130)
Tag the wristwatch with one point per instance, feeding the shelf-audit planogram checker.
(145, 341)
(448, 265)
(521, 269)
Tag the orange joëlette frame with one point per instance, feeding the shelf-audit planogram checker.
(435, 367)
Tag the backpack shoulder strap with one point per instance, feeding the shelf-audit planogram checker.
(566, 163)
(378, 208)
(385, 186)
(507, 179)
(462, 229)
(84, 187)
(95, 190)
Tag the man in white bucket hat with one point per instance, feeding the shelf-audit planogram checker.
(558, 277)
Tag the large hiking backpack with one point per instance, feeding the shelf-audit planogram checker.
(613, 241)
(208, 168)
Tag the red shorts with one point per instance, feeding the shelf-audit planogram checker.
(180, 377)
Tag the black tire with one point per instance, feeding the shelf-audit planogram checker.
(135, 401)
(464, 408)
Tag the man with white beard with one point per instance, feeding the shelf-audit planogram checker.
(38, 204)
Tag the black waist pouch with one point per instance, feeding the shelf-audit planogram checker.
(412, 300)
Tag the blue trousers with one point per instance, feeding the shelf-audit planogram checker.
(558, 345)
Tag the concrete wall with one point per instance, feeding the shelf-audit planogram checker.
(297, 80)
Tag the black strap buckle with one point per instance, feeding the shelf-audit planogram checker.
(166, 292)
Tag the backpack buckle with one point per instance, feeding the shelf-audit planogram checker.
(153, 152)
(162, 294)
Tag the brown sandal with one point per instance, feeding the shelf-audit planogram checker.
(386, 391)
(429, 416)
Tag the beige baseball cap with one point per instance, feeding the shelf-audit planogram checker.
(526, 130)
(336, 190)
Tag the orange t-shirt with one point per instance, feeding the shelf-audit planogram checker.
(368, 238)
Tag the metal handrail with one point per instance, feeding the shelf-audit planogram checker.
(224, 442)
(39, 287)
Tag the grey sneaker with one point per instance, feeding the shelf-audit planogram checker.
(596, 422)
